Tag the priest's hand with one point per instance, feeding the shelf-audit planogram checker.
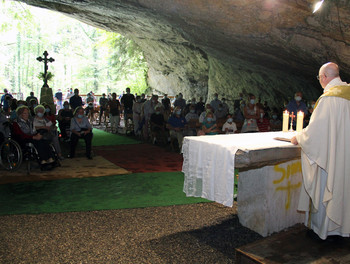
(294, 140)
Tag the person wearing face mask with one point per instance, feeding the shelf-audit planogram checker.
(215, 102)
(64, 117)
(45, 127)
(209, 126)
(296, 105)
(229, 127)
(202, 116)
(80, 128)
(275, 122)
(176, 125)
(251, 115)
(24, 132)
(263, 122)
(192, 120)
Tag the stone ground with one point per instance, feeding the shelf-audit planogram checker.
(196, 233)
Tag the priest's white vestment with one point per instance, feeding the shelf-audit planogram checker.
(325, 158)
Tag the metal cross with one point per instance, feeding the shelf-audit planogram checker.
(46, 67)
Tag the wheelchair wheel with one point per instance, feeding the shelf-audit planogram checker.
(10, 155)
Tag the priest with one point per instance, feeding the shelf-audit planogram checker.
(325, 157)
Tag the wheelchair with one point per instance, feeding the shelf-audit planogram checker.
(12, 153)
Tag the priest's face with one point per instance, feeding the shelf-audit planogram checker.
(322, 77)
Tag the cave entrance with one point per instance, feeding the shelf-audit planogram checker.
(86, 57)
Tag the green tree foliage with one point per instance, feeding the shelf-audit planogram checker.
(86, 58)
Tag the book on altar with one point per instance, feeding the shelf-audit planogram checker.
(283, 139)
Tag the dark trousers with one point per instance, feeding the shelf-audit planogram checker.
(63, 127)
(42, 146)
(74, 141)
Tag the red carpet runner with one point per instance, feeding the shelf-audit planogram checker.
(141, 158)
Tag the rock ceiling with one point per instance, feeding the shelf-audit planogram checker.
(269, 47)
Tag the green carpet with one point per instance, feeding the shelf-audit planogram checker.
(89, 194)
(102, 138)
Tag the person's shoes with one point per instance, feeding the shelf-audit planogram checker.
(89, 157)
(61, 158)
(70, 156)
(43, 162)
(50, 160)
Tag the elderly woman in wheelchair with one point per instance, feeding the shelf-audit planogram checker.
(25, 134)
(46, 128)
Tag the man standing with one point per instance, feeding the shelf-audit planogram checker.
(31, 97)
(75, 100)
(127, 101)
(59, 98)
(325, 158)
(103, 107)
(215, 102)
(4, 100)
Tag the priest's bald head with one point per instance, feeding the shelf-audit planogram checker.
(328, 72)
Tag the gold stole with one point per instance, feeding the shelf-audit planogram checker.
(342, 91)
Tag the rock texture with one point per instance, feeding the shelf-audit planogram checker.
(268, 47)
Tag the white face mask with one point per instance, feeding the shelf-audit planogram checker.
(252, 101)
(297, 98)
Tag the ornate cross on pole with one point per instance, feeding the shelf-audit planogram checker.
(46, 67)
(292, 116)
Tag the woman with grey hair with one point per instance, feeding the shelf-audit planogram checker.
(45, 127)
(24, 132)
(80, 128)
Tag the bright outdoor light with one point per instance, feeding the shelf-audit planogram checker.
(318, 6)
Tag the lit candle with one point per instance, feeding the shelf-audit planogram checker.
(285, 121)
(300, 121)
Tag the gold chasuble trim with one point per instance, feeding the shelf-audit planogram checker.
(342, 91)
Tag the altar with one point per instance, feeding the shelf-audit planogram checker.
(269, 176)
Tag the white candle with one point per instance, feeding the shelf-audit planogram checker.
(300, 121)
(285, 121)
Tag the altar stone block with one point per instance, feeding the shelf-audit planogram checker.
(268, 197)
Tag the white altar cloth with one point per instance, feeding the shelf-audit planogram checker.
(209, 162)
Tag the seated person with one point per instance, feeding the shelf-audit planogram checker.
(209, 126)
(64, 117)
(49, 114)
(229, 127)
(158, 126)
(192, 120)
(32, 104)
(80, 127)
(176, 125)
(202, 116)
(263, 122)
(23, 132)
(275, 123)
(46, 128)
(4, 128)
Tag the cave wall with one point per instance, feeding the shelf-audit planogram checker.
(270, 48)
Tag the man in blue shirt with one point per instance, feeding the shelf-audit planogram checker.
(5, 102)
(296, 105)
(176, 125)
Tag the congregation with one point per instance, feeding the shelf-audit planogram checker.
(161, 120)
